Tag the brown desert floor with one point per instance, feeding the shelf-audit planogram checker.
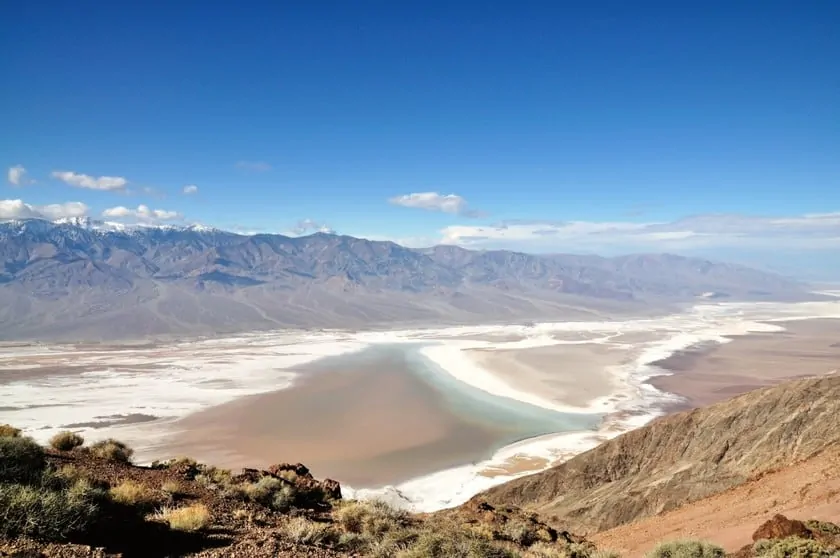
(808, 490)
(710, 374)
(364, 427)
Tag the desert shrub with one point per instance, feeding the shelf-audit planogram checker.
(791, 547)
(522, 533)
(189, 518)
(687, 549)
(453, 544)
(580, 550)
(305, 531)
(68, 474)
(172, 488)
(353, 542)
(9, 431)
(373, 518)
(21, 460)
(263, 490)
(131, 493)
(268, 491)
(66, 441)
(548, 550)
(47, 514)
(112, 450)
(545, 550)
(823, 527)
(284, 499)
(216, 475)
(290, 476)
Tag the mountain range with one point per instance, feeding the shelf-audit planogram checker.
(84, 279)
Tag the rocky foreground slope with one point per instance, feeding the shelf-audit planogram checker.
(73, 500)
(684, 457)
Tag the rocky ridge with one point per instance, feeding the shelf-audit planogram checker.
(684, 457)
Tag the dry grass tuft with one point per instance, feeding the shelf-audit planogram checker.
(112, 450)
(133, 493)
(687, 549)
(190, 518)
(304, 531)
(66, 441)
(172, 488)
(9, 431)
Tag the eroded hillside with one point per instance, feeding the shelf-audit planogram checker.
(683, 457)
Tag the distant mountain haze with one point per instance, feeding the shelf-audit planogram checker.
(82, 279)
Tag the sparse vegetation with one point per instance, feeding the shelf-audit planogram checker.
(189, 518)
(687, 549)
(792, 547)
(112, 450)
(45, 513)
(172, 488)
(823, 527)
(78, 503)
(523, 533)
(544, 550)
(9, 431)
(372, 518)
(66, 441)
(131, 493)
(305, 531)
(21, 460)
(453, 544)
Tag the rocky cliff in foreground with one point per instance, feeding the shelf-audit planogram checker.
(73, 500)
(684, 457)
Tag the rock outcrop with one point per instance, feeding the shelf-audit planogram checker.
(683, 457)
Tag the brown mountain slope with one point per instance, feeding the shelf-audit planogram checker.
(807, 489)
(683, 457)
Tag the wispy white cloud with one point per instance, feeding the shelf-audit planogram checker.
(433, 201)
(813, 231)
(190, 189)
(17, 176)
(107, 183)
(18, 209)
(253, 166)
(142, 214)
(307, 226)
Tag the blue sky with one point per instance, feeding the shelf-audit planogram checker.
(550, 126)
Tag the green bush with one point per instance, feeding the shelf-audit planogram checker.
(262, 491)
(21, 460)
(9, 431)
(112, 450)
(66, 441)
(43, 513)
(687, 549)
(791, 547)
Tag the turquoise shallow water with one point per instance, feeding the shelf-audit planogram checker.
(511, 420)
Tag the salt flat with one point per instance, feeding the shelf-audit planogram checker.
(599, 367)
